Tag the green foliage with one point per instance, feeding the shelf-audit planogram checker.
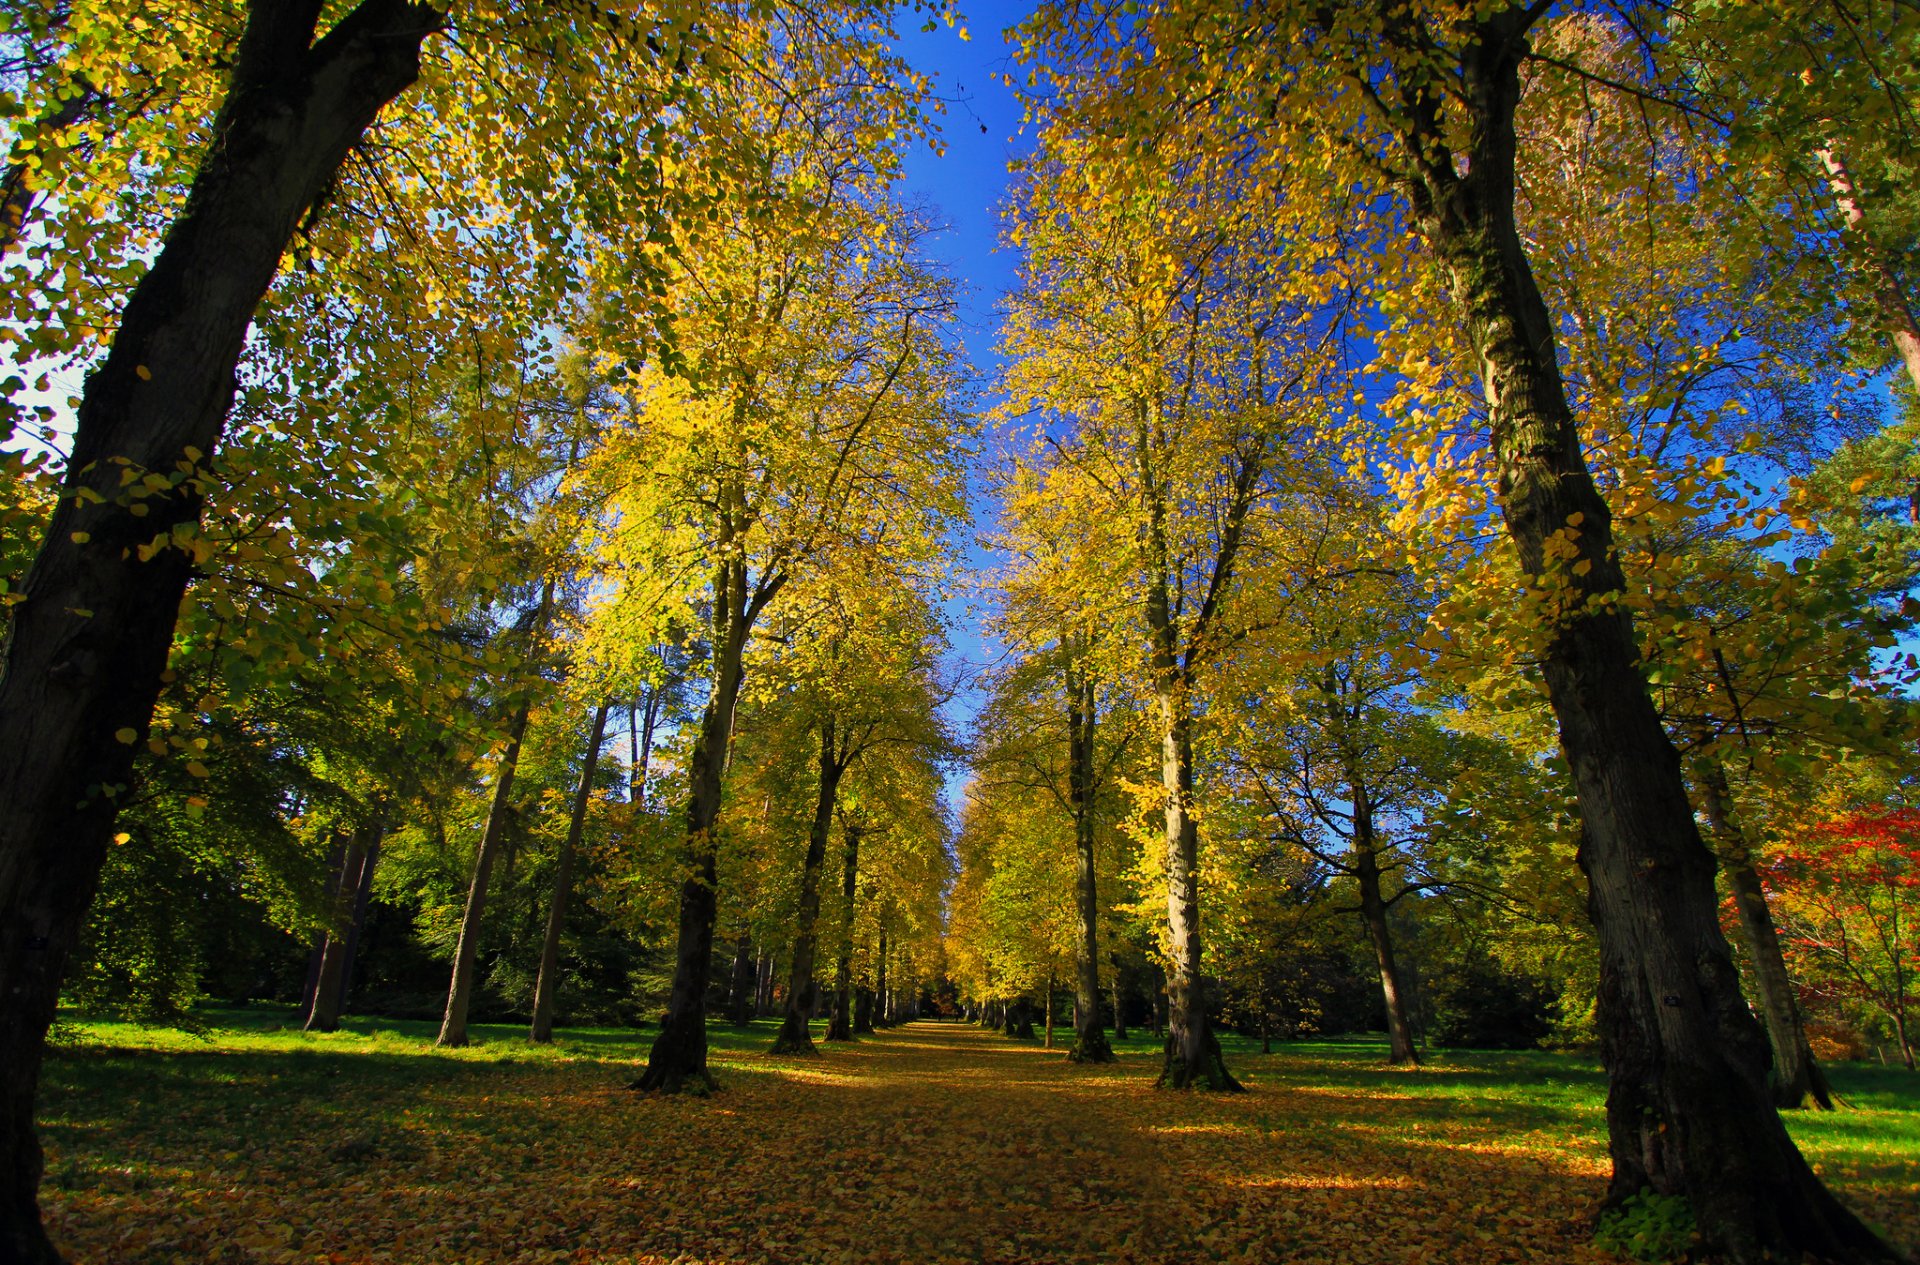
(1486, 1006)
(1647, 1227)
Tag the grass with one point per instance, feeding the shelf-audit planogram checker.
(250, 1141)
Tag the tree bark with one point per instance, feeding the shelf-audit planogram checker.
(1689, 1111)
(840, 1024)
(1796, 1077)
(794, 1038)
(1090, 1035)
(740, 995)
(882, 993)
(1896, 313)
(547, 985)
(336, 866)
(453, 1026)
(1119, 1002)
(91, 633)
(362, 899)
(327, 988)
(678, 1059)
(1373, 910)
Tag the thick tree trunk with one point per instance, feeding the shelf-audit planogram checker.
(548, 983)
(840, 1025)
(1373, 910)
(453, 1027)
(794, 1038)
(1796, 1076)
(678, 1059)
(327, 988)
(1020, 1019)
(1090, 1035)
(1689, 1111)
(862, 1011)
(91, 632)
(740, 995)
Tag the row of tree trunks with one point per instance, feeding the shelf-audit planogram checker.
(548, 983)
(91, 632)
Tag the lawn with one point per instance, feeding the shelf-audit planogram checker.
(935, 1142)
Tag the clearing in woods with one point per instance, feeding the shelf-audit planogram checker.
(933, 1142)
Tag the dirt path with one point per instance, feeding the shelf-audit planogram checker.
(930, 1143)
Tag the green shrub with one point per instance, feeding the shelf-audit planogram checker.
(1647, 1227)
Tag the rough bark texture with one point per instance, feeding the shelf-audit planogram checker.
(794, 1037)
(678, 1059)
(453, 1026)
(548, 982)
(1796, 1076)
(90, 636)
(840, 1023)
(324, 1013)
(1689, 1111)
(1090, 1035)
(1373, 911)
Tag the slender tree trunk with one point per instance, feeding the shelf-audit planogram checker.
(794, 1038)
(763, 996)
(362, 899)
(862, 1011)
(453, 1028)
(325, 1016)
(1119, 1002)
(1090, 1036)
(640, 747)
(840, 1025)
(1373, 910)
(95, 619)
(1797, 1078)
(1689, 1110)
(1896, 313)
(1049, 1014)
(316, 959)
(678, 1059)
(883, 996)
(548, 982)
(740, 995)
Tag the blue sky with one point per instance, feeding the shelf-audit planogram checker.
(965, 186)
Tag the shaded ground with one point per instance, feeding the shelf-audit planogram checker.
(931, 1143)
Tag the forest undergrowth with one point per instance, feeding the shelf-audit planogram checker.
(935, 1142)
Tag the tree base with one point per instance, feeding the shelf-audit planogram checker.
(794, 1039)
(1091, 1046)
(1208, 1071)
(677, 1064)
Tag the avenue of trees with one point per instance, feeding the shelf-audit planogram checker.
(488, 487)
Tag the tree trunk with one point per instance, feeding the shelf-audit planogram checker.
(1119, 1003)
(862, 1011)
(453, 1028)
(1090, 1036)
(95, 620)
(1192, 1058)
(1797, 1079)
(1896, 313)
(336, 867)
(1373, 910)
(362, 898)
(1689, 1111)
(840, 1025)
(1049, 1011)
(794, 1038)
(763, 995)
(548, 982)
(325, 1015)
(740, 995)
(678, 1059)
(883, 997)
(1020, 1019)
